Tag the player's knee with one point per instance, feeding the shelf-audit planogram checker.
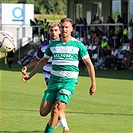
(43, 112)
(55, 110)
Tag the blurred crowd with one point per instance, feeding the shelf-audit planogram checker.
(105, 45)
(110, 47)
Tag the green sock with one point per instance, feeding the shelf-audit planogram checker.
(49, 129)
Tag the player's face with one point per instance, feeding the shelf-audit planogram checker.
(54, 32)
(66, 29)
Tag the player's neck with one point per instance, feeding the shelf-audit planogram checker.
(65, 40)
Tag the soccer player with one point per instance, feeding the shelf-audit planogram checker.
(54, 32)
(64, 74)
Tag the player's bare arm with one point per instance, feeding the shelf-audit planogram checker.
(91, 72)
(30, 65)
(38, 67)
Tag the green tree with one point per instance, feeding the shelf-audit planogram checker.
(44, 6)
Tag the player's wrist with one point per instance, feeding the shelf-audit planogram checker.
(26, 67)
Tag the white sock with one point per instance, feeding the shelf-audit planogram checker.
(63, 123)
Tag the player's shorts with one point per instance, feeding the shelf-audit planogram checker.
(60, 91)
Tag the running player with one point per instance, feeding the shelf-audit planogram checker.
(64, 75)
(54, 32)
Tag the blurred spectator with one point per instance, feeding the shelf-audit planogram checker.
(125, 35)
(10, 58)
(27, 58)
(77, 28)
(115, 57)
(89, 38)
(41, 30)
(95, 39)
(131, 25)
(125, 19)
(111, 38)
(104, 61)
(93, 19)
(104, 42)
(98, 20)
(131, 45)
(127, 58)
(45, 23)
(36, 24)
(81, 28)
(120, 20)
(75, 33)
(84, 27)
(111, 21)
(32, 23)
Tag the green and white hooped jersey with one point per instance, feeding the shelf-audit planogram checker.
(65, 59)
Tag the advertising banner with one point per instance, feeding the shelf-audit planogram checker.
(18, 14)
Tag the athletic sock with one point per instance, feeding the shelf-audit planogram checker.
(63, 123)
(49, 129)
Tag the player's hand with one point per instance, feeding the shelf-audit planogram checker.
(92, 89)
(25, 78)
(24, 70)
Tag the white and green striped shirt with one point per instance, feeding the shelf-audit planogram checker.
(65, 58)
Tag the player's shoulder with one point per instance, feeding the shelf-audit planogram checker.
(76, 42)
(74, 39)
(43, 47)
(55, 42)
(45, 44)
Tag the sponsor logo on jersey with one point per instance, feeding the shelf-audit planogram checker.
(63, 56)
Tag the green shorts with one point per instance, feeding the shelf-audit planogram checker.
(60, 91)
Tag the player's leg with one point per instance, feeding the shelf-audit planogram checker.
(55, 113)
(63, 97)
(45, 108)
(62, 120)
(47, 102)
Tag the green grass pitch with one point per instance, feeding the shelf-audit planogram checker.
(108, 110)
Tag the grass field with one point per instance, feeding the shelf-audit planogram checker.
(108, 110)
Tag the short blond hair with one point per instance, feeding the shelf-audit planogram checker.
(66, 20)
(51, 25)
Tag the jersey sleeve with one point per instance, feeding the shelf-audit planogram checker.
(39, 54)
(83, 51)
(48, 52)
